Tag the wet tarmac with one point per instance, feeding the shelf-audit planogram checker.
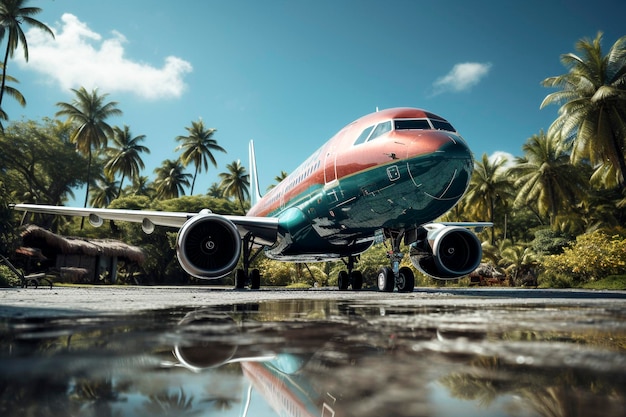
(200, 352)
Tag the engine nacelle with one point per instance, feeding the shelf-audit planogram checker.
(446, 252)
(208, 246)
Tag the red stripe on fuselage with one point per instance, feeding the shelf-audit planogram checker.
(339, 157)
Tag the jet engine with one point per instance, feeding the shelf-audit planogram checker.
(445, 252)
(208, 246)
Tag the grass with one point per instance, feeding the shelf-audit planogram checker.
(612, 282)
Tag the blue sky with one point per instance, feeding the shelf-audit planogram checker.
(290, 73)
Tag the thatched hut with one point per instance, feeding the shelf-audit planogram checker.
(80, 259)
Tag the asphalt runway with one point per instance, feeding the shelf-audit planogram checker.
(174, 351)
(77, 300)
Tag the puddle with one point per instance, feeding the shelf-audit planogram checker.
(318, 358)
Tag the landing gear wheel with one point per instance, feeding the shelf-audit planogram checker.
(406, 280)
(240, 279)
(343, 280)
(255, 279)
(386, 279)
(356, 277)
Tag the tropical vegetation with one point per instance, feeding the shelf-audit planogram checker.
(558, 209)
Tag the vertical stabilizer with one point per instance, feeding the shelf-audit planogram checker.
(255, 194)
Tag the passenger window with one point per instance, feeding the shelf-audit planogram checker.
(380, 129)
(363, 136)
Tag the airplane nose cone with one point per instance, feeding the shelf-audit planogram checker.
(459, 168)
(456, 148)
(448, 174)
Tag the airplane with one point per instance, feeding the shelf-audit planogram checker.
(385, 176)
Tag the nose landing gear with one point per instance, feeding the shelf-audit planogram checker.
(395, 276)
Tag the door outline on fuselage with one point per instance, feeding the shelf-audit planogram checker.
(330, 173)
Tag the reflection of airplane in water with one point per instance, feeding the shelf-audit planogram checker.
(387, 175)
(285, 380)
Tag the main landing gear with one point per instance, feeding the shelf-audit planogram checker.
(245, 275)
(395, 276)
(351, 276)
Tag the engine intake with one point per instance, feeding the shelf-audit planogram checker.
(208, 246)
(446, 252)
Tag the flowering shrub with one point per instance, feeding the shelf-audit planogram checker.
(593, 256)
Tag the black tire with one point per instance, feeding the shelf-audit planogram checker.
(356, 278)
(240, 279)
(343, 281)
(406, 281)
(255, 279)
(386, 280)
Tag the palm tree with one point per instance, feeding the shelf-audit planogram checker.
(515, 259)
(89, 112)
(278, 178)
(215, 191)
(105, 192)
(125, 157)
(547, 181)
(197, 148)
(142, 186)
(236, 183)
(171, 179)
(16, 94)
(488, 185)
(12, 15)
(592, 96)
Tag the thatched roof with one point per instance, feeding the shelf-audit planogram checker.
(35, 236)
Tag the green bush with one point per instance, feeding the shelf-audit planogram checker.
(8, 277)
(593, 256)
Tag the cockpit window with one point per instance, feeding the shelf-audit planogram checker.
(442, 125)
(411, 124)
(380, 129)
(363, 136)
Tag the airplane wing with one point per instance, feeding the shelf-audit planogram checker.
(477, 226)
(263, 228)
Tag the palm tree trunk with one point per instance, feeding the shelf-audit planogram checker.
(491, 219)
(82, 221)
(119, 192)
(4, 74)
(620, 160)
(193, 183)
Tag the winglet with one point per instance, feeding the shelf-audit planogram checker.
(255, 194)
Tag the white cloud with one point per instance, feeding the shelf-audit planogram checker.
(498, 156)
(79, 57)
(462, 77)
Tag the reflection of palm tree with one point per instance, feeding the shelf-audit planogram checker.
(165, 404)
(221, 403)
(555, 393)
(99, 392)
(476, 385)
